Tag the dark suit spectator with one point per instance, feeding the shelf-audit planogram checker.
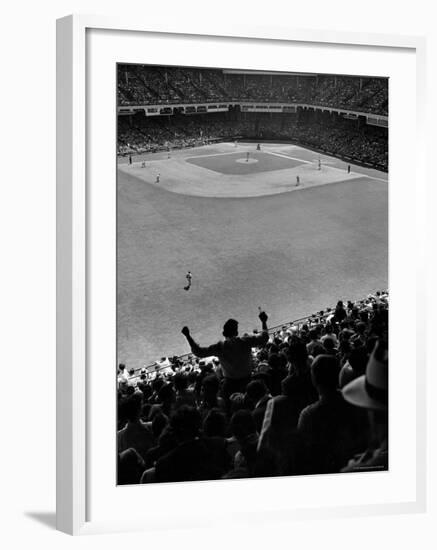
(135, 434)
(329, 426)
(209, 398)
(195, 458)
(257, 396)
(315, 346)
(130, 466)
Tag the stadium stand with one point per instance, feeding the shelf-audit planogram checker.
(338, 115)
(315, 401)
(328, 133)
(145, 84)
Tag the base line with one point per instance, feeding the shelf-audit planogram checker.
(211, 155)
(333, 167)
(288, 157)
(371, 177)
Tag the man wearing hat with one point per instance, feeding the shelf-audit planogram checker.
(234, 353)
(370, 391)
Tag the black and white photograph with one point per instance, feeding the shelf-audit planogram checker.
(252, 273)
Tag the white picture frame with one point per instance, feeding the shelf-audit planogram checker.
(73, 340)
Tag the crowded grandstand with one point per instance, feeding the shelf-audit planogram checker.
(288, 401)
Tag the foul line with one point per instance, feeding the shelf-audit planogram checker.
(357, 174)
(211, 155)
(371, 177)
(288, 157)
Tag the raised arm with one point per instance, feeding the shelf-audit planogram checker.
(260, 339)
(199, 351)
(263, 317)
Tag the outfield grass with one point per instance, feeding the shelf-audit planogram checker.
(292, 253)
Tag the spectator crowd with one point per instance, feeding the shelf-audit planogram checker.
(153, 85)
(155, 134)
(330, 133)
(306, 398)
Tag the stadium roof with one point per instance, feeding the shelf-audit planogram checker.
(247, 71)
(288, 73)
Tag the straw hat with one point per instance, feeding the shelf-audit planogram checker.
(371, 390)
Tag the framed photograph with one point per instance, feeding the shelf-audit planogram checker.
(238, 222)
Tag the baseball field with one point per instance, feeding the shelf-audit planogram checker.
(256, 228)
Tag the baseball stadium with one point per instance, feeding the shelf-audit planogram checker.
(240, 192)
